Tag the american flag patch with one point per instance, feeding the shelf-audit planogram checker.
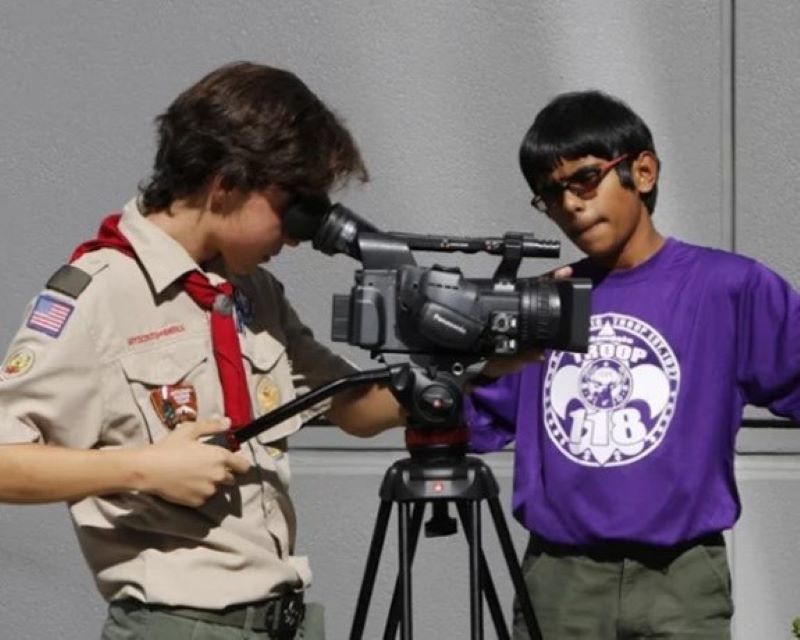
(49, 315)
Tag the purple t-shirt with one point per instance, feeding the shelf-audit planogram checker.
(634, 441)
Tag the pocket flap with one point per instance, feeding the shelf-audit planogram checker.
(263, 351)
(168, 366)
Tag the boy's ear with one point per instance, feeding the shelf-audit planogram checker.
(219, 196)
(645, 171)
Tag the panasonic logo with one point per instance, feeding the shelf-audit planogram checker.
(449, 323)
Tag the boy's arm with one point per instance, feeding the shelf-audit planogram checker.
(366, 413)
(768, 343)
(51, 391)
(490, 412)
(178, 468)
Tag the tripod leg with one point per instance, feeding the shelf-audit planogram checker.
(393, 619)
(486, 581)
(368, 583)
(517, 578)
(475, 557)
(406, 632)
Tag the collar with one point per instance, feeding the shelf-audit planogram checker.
(163, 258)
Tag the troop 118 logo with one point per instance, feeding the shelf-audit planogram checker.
(612, 405)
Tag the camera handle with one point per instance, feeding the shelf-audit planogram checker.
(232, 438)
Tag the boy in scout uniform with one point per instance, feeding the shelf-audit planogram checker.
(157, 326)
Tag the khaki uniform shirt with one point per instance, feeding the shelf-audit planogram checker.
(93, 371)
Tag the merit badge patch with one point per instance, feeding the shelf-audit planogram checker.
(277, 449)
(275, 453)
(268, 395)
(49, 315)
(174, 404)
(18, 363)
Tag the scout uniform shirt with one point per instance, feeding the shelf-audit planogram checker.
(125, 361)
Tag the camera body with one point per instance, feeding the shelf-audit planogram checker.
(397, 306)
(437, 311)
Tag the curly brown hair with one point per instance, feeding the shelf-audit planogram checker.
(253, 126)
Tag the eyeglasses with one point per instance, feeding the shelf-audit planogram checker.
(583, 183)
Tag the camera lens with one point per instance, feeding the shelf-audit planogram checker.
(539, 314)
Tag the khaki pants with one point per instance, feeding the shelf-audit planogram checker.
(137, 623)
(682, 595)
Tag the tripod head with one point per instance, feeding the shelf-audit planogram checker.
(431, 390)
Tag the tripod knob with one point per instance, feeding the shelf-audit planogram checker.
(437, 400)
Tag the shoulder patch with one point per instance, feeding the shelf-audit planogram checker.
(49, 315)
(17, 363)
(69, 280)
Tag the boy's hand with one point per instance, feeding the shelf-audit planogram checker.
(181, 469)
(560, 273)
(500, 366)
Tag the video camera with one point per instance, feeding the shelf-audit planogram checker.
(397, 306)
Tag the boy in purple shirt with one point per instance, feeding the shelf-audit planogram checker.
(624, 469)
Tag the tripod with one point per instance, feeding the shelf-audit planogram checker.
(464, 481)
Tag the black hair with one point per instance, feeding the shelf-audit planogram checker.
(582, 123)
(254, 126)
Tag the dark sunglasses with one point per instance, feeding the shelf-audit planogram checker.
(583, 183)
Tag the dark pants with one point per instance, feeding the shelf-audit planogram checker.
(126, 621)
(628, 592)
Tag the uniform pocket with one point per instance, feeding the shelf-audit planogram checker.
(170, 386)
(270, 381)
